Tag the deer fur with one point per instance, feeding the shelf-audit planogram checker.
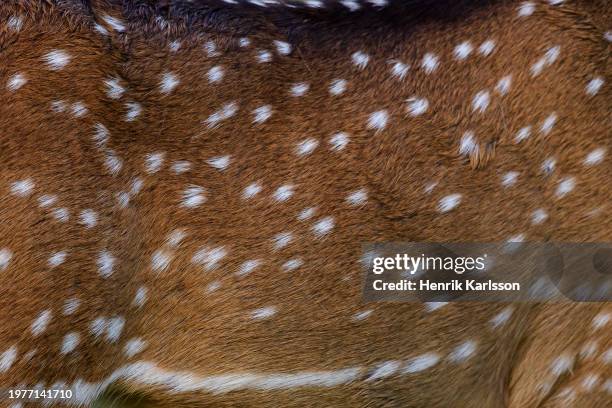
(185, 188)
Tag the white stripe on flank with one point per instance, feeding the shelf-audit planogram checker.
(147, 373)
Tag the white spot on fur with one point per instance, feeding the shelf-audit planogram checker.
(79, 109)
(595, 157)
(421, 363)
(181, 166)
(211, 49)
(137, 184)
(175, 238)
(362, 315)
(98, 326)
(292, 264)
(247, 267)
(548, 59)
(193, 196)
(227, 111)
(432, 306)
(299, 89)
(244, 42)
(219, 162)
(449, 202)
(307, 213)
(360, 59)
(22, 188)
(101, 135)
(161, 260)
(14, 23)
(134, 346)
(39, 325)
(114, 90)
(522, 134)
(486, 48)
(174, 46)
(7, 358)
(114, 328)
(168, 83)
(503, 86)
(154, 161)
(282, 47)
(106, 263)
(112, 163)
(283, 193)
(57, 259)
(70, 342)
(561, 365)
(509, 179)
(565, 186)
(323, 226)
(601, 320)
(538, 216)
(417, 106)
(5, 258)
(215, 74)
(516, 239)
(526, 9)
(58, 106)
(123, 199)
(263, 56)
(114, 23)
(89, 218)
(306, 147)
(352, 5)
(56, 59)
(338, 141)
(594, 85)
(15, 82)
(337, 87)
(71, 306)
(430, 63)
(468, 145)
(213, 286)
(399, 69)
(282, 239)
(141, 297)
(378, 120)
(462, 352)
(430, 186)
(481, 101)
(61, 214)
(548, 166)
(263, 313)
(589, 382)
(46, 200)
(209, 258)
(251, 190)
(358, 197)
(262, 114)
(134, 109)
(502, 317)
(463, 50)
(548, 123)
(100, 29)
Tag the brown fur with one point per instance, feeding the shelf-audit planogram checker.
(188, 329)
